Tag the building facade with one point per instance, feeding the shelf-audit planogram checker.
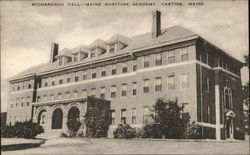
(132, 73)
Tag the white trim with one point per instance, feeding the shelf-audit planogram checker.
(22, 91)
(217, 112)
(220, 68)
(209, 124)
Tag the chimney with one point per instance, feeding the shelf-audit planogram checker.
(156, 31)
(54, 52)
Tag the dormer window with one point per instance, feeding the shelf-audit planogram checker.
(92, 53)
(75, 57)
(112, 48)
(60, 61)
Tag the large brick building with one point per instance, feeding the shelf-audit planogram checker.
(132, 73)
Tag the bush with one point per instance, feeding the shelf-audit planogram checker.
(193, 131)
(73, 126)
(26, 129)
(7, 131)
(124, 131)
(152, 131)
(97, 120)
(168, 116)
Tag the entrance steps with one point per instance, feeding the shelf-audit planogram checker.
(51, 134)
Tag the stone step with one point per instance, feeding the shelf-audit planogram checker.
(50, 134)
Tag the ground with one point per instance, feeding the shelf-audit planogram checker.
(134, 146)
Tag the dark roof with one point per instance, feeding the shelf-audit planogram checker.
(137, 43)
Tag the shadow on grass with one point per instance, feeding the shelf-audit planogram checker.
(22, 146)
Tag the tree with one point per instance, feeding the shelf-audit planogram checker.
(97, 120)
(168, 115)
(73, 126)
(245, 89)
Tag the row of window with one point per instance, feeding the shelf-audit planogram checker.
(124, 69)
(20, 102)
(171, 85)
(21, 86)
(123, 116)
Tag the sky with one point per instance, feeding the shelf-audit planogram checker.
(27, 31)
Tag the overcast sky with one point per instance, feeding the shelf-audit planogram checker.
(27, 32)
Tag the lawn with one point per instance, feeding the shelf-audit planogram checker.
(134, 146)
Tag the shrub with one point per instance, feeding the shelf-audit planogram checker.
(26, 129)
(97, 120)
(168, 116)
(73, 126)
(124, 131)
(152, 131)
(193, 131)
(63, 134)
(7, 131)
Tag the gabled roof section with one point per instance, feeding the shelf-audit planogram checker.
(80, 48)
(97, 43)
(118, 38)
(65, 52)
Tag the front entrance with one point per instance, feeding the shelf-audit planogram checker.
(74, 113)
(57, 119)
(229, 128)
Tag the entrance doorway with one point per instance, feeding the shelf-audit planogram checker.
(73, 113)
(42, 118)
(229, 128)
(57, 119)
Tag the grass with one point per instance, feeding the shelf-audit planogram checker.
(134, 146)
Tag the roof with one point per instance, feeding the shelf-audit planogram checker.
(118, 37)
(137, 43)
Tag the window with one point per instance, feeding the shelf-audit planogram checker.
(45, 83)
(184, 54)
(124, 68)
(93, 92)
(76, 78)
(59, 95)
(208, 114)
(67, 94)
(112, 118)
(124, 90)
(133, 115)
(75, 56)
(38, 99)
(134, 88)
(158, 84)
(206, 85)
(84, 75)
(21, 104)
(11, 105)
(171, 57)
(171, 82)
(52, 97)
(146, 86)
(112, 48)
(68, 80)
(18, 88)
(92, 54)
(228, 98)
(84, 93)
(158, 59)
(113, 72)
(53, 83)
(207, 58)
(93, 74)
(28, 100)
(45, 97)
(113, 91)
(61, 81)
(146, 61)
(102, 94)
(29, 85)
(60, 61)
(134, 65)
(146, 115)
(103, 73)
(75, 94)
(184, 80)
(123, 116)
